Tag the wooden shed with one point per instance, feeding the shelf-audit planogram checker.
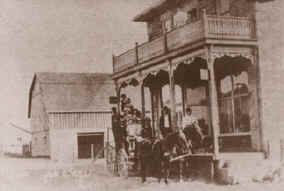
(70, 114)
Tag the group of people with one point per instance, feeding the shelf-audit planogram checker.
(144, 137)
(128, 121)
(165, 120)
(130, 115)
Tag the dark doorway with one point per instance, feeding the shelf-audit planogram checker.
(85, 142)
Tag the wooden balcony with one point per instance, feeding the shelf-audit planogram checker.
(209, 27)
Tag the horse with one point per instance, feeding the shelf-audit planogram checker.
(195, 136)
(160, 151)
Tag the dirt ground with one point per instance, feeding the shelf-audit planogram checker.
(45, 175)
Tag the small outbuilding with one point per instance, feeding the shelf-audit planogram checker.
(70, 114)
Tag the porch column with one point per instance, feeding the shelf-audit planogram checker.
(142, 104)
(156, 105)
(117, 90)
(184, 98)
(172, 96)
(116, 132)
(158, 109)
(214, 110)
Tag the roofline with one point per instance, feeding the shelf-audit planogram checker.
(155, 9)
(30, 95)
(163, 5)
(38, 73)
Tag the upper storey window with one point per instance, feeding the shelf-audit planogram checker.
(180, 18)
(167, 20)
(192, 15)
(168, 25)
(155, 29)
(225, 7)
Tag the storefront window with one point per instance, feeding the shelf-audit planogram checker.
(233, 97)
(197, 100)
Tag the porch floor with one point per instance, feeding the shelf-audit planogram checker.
(242, 157)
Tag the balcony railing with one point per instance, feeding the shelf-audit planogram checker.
(208, 27)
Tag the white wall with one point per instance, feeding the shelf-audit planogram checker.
(64, 143)
(270, 28)
(39, 124)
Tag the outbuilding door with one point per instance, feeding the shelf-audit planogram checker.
(90, 142)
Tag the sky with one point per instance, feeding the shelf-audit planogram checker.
(59, 36)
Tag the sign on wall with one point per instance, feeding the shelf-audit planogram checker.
(204, 74)
(113, 100)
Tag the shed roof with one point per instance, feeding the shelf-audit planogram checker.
(73, 91)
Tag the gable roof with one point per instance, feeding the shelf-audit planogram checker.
(70, 92)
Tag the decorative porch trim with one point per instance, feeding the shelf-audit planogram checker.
(245, 52)
(155, 69)
(188, 58)
(141, 75)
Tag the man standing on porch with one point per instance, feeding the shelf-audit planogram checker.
(165, 122)
(115, 121)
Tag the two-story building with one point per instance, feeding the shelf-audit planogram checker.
(208, 52)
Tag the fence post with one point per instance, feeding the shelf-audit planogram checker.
(136, 53)
(166, 43)
(92, 152)
(267, 150)
(281, 150)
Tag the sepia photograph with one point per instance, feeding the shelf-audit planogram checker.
(142, 95)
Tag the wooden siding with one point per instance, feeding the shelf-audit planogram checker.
(67, 92)
(66, 126)
(81, 120)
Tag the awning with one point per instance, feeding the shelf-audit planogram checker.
(188, 73)
(138, 77)
(230, 65)
(160, 71)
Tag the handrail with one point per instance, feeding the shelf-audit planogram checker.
(227, 17)
(209, 26)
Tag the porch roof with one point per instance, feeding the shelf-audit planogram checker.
(142, 73)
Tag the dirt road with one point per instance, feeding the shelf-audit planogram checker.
(45, 175)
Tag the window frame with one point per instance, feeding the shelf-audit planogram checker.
(232, 97)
